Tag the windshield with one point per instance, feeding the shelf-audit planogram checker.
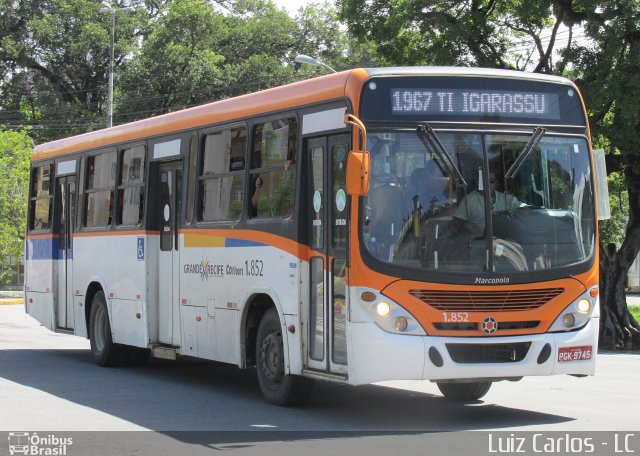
(456, 204)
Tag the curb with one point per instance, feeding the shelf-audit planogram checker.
(10, 302)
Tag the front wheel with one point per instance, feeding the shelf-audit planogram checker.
(105, 352)
(464, 392)
(277, 387)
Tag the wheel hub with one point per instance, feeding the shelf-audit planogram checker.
(272, 358)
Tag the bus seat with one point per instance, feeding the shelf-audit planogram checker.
(384, 202)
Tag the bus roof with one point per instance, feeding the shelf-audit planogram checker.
(466, 71)
(329, 87)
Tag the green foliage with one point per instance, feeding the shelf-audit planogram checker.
(609, 71)
(449, 32)
(15, 152)
(169, 54)
(612, 231)
(55, 62)
(176, 65)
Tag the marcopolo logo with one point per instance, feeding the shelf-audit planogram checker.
(32, 444)
(492, 280)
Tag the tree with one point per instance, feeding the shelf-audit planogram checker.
(606, 67)
(453, 32)
(608, 70)
(55, 62)
(177, 65)
(15, 153)
(322, 35)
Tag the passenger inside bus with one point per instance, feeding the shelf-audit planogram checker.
(256, 183)
(426, 190)
(470, 215)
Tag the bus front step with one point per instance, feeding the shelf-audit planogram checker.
(319, 375)
(164, 353)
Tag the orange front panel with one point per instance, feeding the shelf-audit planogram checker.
(458, 310)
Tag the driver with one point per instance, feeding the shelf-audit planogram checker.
(469, 215)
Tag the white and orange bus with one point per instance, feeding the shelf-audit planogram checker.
(375, 224)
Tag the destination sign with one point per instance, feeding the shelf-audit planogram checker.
(463, 102)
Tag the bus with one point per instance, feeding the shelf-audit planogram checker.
(419, 223)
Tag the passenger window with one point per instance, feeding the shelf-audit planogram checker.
(99, 193)
(272, 184)
(222, 176)
(41, 198)
(131, 186)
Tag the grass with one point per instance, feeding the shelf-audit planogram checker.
(635, 311)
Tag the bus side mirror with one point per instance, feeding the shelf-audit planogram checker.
(358, 168)
(358, 161)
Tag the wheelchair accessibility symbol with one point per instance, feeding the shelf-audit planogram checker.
(140, 249)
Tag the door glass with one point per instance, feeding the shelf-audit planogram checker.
(339, 314)
(317, 195)
(316, 325)
(339, 161)
(72, 214)
(166, 235)
(62, 228)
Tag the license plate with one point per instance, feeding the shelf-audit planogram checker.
(581, 353)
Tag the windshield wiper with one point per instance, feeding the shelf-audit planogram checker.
(533, 142)
(431, 141)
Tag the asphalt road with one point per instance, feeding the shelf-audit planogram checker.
(49, 383)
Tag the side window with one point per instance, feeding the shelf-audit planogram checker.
(272, 185)
(131, 186)
(99, 189)
(191, 177)
(222, 175)
(41, 198)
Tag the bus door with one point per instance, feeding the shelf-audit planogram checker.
(169, 257)
(328, 223)
(65, 198)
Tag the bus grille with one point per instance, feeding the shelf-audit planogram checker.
(488, 353)
(486, 301)
(502, 326)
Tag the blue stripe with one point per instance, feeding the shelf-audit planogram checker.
(231, 242)
(45, 249)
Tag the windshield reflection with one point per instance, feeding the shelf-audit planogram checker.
(419, 215)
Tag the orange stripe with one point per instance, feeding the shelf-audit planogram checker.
(41, 236)
(115, 233)
(292, 247)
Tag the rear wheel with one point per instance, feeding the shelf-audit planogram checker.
(105, 352)
(464, 392)
(277, 387)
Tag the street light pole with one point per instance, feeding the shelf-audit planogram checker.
(111, 59)
(301, 58)
(111, 9)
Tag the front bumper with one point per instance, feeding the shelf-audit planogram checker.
(375, 355)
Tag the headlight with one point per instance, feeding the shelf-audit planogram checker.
(576, 314)
(391, 317)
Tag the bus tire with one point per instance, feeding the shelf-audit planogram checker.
(104, 351)
(277, 388)
(464, 392)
